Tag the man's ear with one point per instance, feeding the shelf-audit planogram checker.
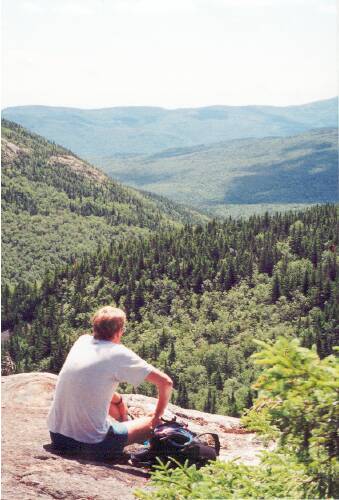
(118, 335)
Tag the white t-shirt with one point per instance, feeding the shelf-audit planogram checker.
(86, 383)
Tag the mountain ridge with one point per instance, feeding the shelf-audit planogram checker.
(110, 132)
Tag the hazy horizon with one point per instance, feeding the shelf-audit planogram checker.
(168, 108)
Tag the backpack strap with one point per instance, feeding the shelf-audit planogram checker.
(176, 442)
(216, 440)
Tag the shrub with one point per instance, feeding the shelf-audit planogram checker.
(298, 405)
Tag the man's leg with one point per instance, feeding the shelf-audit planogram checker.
(114, 412)
(139, 429)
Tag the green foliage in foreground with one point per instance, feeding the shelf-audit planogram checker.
(275, 477)
(299, 392)
(301, 395)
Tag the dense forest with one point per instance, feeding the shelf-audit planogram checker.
(195, 296)
(55, 205)
(241, 313)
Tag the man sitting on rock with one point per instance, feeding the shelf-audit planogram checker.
(80, 419)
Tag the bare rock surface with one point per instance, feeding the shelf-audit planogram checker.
(10, 150)
(30, 469)
(78, 166)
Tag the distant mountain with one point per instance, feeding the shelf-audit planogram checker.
(102, 134)
(56, 206)
(297, 169)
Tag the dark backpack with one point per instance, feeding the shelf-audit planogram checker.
(172, 440)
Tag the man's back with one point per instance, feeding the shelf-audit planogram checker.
(86, 384)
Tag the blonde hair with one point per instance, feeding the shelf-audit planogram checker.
(107, 322)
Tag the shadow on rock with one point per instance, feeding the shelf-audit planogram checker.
(120, 464)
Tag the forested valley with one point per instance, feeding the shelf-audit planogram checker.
(196, 298)
(232, 309)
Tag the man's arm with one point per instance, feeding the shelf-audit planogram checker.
(164, 385)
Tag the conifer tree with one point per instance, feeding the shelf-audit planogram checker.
(171, 354)
(182, 398)
(276, 288)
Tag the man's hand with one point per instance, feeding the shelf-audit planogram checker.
(156, 421)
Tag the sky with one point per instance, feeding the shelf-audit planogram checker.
(168, 53)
